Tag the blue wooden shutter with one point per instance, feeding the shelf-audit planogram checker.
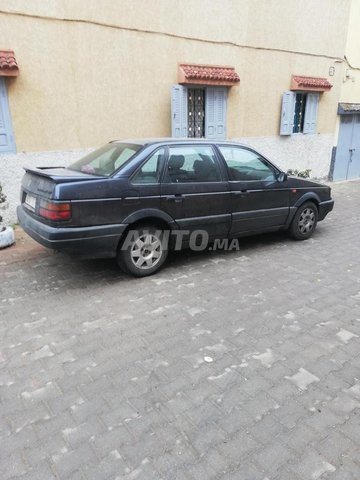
(311, 111)
(287, 113)
(179, 113)
(6, 134)
(210, 129)
(220, 116)
(215, 112)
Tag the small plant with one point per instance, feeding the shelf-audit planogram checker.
(7, 236)
(2, 200)
(300, 173)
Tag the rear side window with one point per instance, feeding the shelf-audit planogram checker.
(192, 164)
(106, 160)
(245, 165)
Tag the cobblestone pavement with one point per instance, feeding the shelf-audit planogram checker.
(230, 365)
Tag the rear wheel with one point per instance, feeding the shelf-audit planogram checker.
(143, 251)
(304, 221)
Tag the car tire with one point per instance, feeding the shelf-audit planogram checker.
(304, 222)
(143, 251)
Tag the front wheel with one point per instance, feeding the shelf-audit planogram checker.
(143, 251)
(304, 221)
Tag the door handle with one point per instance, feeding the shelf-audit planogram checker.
(175, 198)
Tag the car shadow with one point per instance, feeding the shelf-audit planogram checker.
(95, 269)
(244, 244)
(107, 270)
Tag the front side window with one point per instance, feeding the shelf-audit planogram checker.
(105, 160)
(245, 165)
(192, 164)
(150, 171)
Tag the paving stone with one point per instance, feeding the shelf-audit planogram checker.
(334, 446)
(67, 463)
(351, 429)
(38, 453)
(12, 466)
(19, 419)
(237, 446)
(298, 437)
(105, 377)
(273, 457)
(312, 465)
(40, 472)
(267, 429)
(110, 466)
(50, 426)
(244, 471)
(82, 433)
(112, 439)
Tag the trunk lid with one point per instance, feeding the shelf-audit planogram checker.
(39, 185)
(42, 181)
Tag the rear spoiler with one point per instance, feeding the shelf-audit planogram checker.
(41, 170)
(61, 174)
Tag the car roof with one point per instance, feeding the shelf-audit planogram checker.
(170, 140)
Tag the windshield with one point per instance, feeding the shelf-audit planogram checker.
(105, 160)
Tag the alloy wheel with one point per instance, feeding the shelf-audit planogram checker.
(307, 220)
(146, 251)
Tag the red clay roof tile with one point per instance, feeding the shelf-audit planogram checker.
(208, 74)
(310, 83)
(8, 64)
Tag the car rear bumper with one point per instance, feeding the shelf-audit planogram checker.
(87, 242)
(325, 208)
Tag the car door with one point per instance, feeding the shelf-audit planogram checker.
(259, 200)
(144, 185)
(195, 191)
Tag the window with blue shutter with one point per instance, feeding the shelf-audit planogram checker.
(299, 112)
(179, 126)
(311, 112)
(7, 143)
(187, 115)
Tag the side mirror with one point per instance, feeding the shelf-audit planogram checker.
(282, 177)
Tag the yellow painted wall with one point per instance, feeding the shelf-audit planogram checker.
(350, 91)
(107, 72)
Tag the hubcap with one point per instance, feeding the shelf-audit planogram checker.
(306, 220)
(146, 251)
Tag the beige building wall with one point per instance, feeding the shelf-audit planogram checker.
(350, 90)
(350, 82)
(94, 70)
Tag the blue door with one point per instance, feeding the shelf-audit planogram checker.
(7, 143)
(347, 160)
(354, 162)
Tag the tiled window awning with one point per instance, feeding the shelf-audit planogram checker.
(8, 65)
(310, 84)
(348, 108)
(208, 75)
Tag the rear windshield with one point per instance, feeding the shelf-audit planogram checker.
(105, 160)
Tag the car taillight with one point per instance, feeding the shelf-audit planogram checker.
(55, 211)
